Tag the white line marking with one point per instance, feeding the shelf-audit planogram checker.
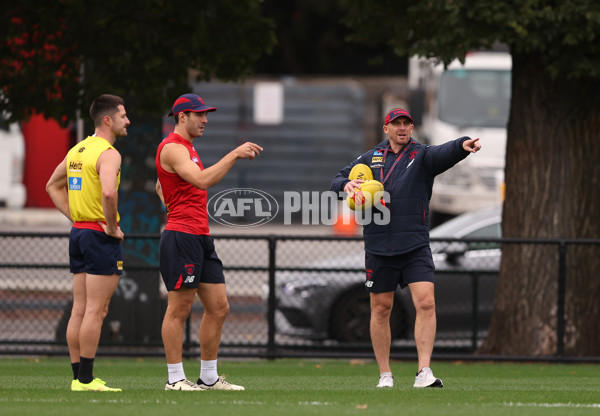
(568, 404)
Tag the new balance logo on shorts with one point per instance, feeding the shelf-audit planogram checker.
(189, 269)
(369, 282)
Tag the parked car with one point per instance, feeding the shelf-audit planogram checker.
(333, 304)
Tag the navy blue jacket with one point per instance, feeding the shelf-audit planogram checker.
(409, 186)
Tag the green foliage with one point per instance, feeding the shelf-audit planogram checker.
(303, 387)
(312, 42)
(57, 55)
(566, 33)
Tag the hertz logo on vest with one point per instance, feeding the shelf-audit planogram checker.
(75, 166)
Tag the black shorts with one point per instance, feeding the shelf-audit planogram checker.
(94, 252)
(385, 273)
(186, 260)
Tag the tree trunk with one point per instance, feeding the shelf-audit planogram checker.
(552, 192)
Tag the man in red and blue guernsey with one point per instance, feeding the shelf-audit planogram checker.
(189, 264)
(398, 253)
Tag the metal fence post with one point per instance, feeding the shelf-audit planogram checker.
(475, 286)
(271, 348)
(187, 342)
(560, 313)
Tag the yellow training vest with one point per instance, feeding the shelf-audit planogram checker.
(85, 191)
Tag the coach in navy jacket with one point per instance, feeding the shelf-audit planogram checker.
(409, 186)
(398, 253)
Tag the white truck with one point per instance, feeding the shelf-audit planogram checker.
(470, 99)
(12, 158)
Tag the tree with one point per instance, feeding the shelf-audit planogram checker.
(58, 55)
(552, 168)
(312, 42)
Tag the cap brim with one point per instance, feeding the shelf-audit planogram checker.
(402, 115)
(197, 110)
(200, 110)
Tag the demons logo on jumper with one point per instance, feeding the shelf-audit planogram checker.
(189, 269)
(412, 155)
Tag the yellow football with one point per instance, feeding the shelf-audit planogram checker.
(363, 197)
(361, 171)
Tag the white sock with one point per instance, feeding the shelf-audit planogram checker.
(175, 372)
(386, 373)
(208, 372)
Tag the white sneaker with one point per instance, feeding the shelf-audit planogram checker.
(220, 384)
(386, 380)
(184, 385)
(425, 378)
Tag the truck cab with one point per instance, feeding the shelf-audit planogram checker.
(470, 99)
(12, 158)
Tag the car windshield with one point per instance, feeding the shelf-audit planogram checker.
(482, 224)
(475, 98)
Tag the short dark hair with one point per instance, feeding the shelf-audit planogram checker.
(176, 116)
(105, 105)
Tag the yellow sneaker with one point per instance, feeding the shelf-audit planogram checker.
(75, 387)
(94, 385)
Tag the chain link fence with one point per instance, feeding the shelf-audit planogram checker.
(288, 295)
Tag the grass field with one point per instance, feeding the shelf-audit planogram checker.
(40, 386)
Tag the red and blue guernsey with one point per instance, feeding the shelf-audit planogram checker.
(186, 204)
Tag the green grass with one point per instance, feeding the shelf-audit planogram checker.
(40, 386)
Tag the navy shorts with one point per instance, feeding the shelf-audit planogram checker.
(186, 260)
(385, 273)
(94, 252)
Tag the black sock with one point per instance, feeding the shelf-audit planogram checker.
(86, 370)
(75, 367)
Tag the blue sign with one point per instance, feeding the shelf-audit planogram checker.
(74, 183)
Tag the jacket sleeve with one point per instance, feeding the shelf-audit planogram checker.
(440, 158)
(341, 179)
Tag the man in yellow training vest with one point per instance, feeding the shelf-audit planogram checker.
(84, 188)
